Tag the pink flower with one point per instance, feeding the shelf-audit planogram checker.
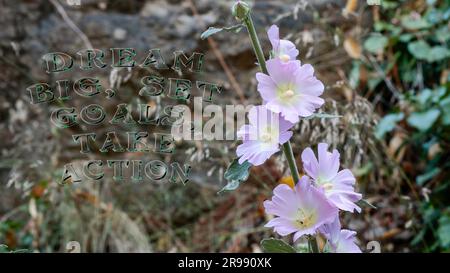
(340, 240)
(338, 186)
(301, 210)
(290, 89)
(262, 137)
(283, 49)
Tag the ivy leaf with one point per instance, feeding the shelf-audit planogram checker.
(406, 37)
(424, 120)
(387, 124)
(419, 49)
(412, 23)
(213, 30)
(444, 231)
(273, 245)
(236, 174)
(438, 53)
(445, 104)
(376, 43)
(424, 97)
(442, 34)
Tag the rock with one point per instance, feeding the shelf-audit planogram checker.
(120, 34)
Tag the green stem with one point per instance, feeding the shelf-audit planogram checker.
(255, 42)
(312, 241)
(287, 148)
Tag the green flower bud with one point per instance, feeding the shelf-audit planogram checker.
(240, 10)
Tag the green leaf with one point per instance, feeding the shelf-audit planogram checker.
(430, 214)
(424, 97)
(434, 16)
(419, 49)
(376, 43)
(322, 115)
(387, 124)
(213, 30)
(424, 120)
(236, 171)
(389, 4)
(440, 94)
(236, 174)
(210, 31)
(421, 179)
(365, 204)
(381, 26)
(374, 82)
(412, 23)
(406, 37)
(438, 53)
(365, 169)
(445, 104)
(302, 248)
(273, 245)
(230, 186)
(444, 231)
(355, 75)
(419, 237)
(3, 248)
(442, 34)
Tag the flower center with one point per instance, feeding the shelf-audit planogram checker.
(265, 137)
(305, 219)
(327, 186)
(285, 58)
(286, 92)
(268, 135)
(289, 93)
(324, 183)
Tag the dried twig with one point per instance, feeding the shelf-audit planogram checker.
(71, 24)
(212, 43)
(383, 75)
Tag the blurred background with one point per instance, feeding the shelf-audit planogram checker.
(385, 65)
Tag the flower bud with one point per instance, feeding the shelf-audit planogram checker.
(240, 10)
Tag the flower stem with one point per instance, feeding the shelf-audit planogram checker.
(312, 242)
(255, 42)
(287, 148)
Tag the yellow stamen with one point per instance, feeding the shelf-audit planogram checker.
(285, 58)
(286, 93)
(328, 186)
(268, 135)
(304, 219)
(289, 93)
(265, 137)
